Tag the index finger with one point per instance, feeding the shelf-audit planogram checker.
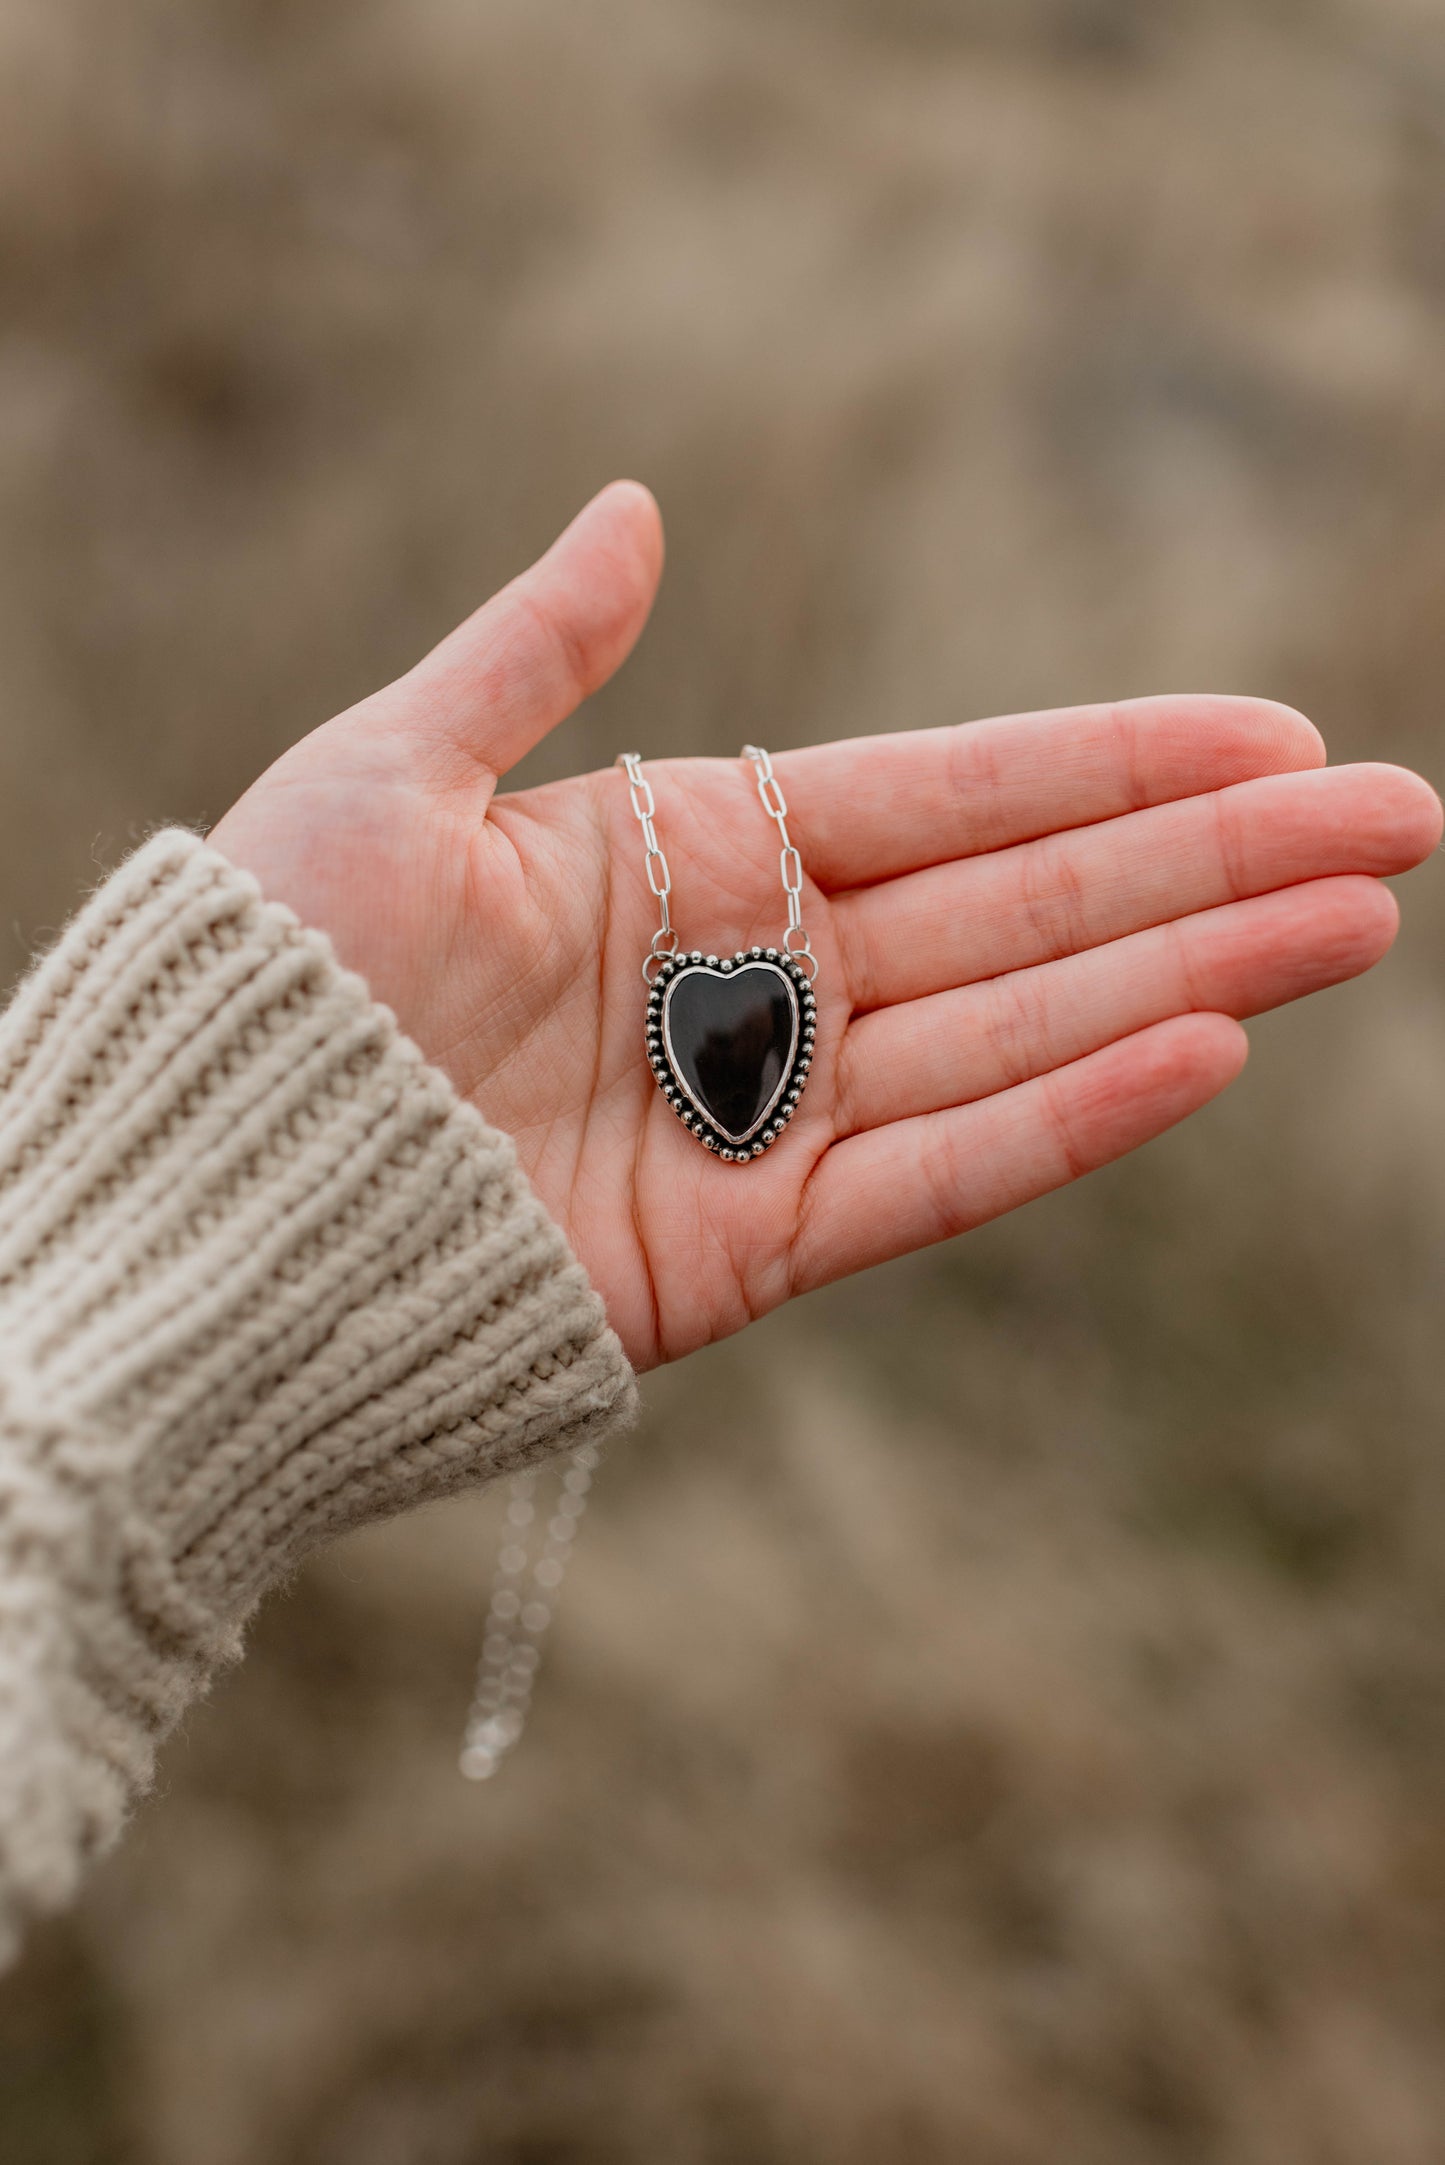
(868, 808)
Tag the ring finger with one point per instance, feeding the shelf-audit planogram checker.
(955, 1047)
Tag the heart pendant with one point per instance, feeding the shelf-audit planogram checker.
(731, 1043)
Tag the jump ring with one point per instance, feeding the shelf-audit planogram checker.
(803, 951)
(664, 943)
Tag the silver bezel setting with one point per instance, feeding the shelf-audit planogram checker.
(769, 1128)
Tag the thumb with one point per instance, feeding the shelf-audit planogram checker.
(529, 656)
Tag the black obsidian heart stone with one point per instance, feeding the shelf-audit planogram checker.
(731, 1039)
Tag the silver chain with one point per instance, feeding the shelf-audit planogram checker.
(525, 1585)
(524, 1595)
(791, 864)
(659, 878)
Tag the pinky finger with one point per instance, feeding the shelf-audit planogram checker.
(894, 1189)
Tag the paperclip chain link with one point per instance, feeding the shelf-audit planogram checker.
(659, 878)
(775, 804)
(524, 1596)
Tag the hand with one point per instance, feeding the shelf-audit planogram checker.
(1035, 936)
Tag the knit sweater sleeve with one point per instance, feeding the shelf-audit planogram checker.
(263, 1276)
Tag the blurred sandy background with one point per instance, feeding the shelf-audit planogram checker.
(999, 1713)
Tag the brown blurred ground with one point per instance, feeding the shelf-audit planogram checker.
(1000, 1712)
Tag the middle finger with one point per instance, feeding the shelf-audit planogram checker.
(955, 924)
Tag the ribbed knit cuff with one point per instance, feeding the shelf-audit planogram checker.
(262, 1277)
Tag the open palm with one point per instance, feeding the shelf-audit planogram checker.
(1034, 936)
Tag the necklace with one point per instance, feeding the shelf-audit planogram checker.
(730, 1041)
(519, 1613)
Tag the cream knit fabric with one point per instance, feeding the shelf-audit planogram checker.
(262, 1277)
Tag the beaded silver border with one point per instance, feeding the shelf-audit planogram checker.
(669, 1081)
